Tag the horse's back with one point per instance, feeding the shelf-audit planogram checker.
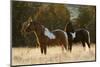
(60, 34)
(82, 34)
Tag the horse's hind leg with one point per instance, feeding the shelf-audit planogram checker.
(88, 40)
(83, 44)
(45, 50)
(88, 44)
(64, 45)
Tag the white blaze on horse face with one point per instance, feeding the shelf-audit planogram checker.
(49, 34)
(73, 35)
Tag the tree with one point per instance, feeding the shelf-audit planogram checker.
(21, 11)
(87, 13)
(52, 15)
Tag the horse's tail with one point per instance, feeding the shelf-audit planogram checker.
(88, 36)
(66, 36)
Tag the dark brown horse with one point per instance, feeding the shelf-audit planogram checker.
(78, 35)
(46, 37)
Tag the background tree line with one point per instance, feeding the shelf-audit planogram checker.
(53, 16)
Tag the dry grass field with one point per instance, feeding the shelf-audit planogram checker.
(24, 56)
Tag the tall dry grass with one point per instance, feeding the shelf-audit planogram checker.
(24, 56)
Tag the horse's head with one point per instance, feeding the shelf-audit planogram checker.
(69, 27)
(30, 27)
(34, 26)
(25, 26)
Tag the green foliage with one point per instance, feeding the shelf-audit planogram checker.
(87, 13)
(52, 14)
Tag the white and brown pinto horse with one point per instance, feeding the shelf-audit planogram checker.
(46, 37)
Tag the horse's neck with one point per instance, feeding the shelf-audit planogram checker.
(39, 32)
(69, 28)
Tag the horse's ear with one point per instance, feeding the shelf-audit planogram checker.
(30, 19)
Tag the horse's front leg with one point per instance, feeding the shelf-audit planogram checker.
(41, 47)
(70, 40)
(70, 46)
